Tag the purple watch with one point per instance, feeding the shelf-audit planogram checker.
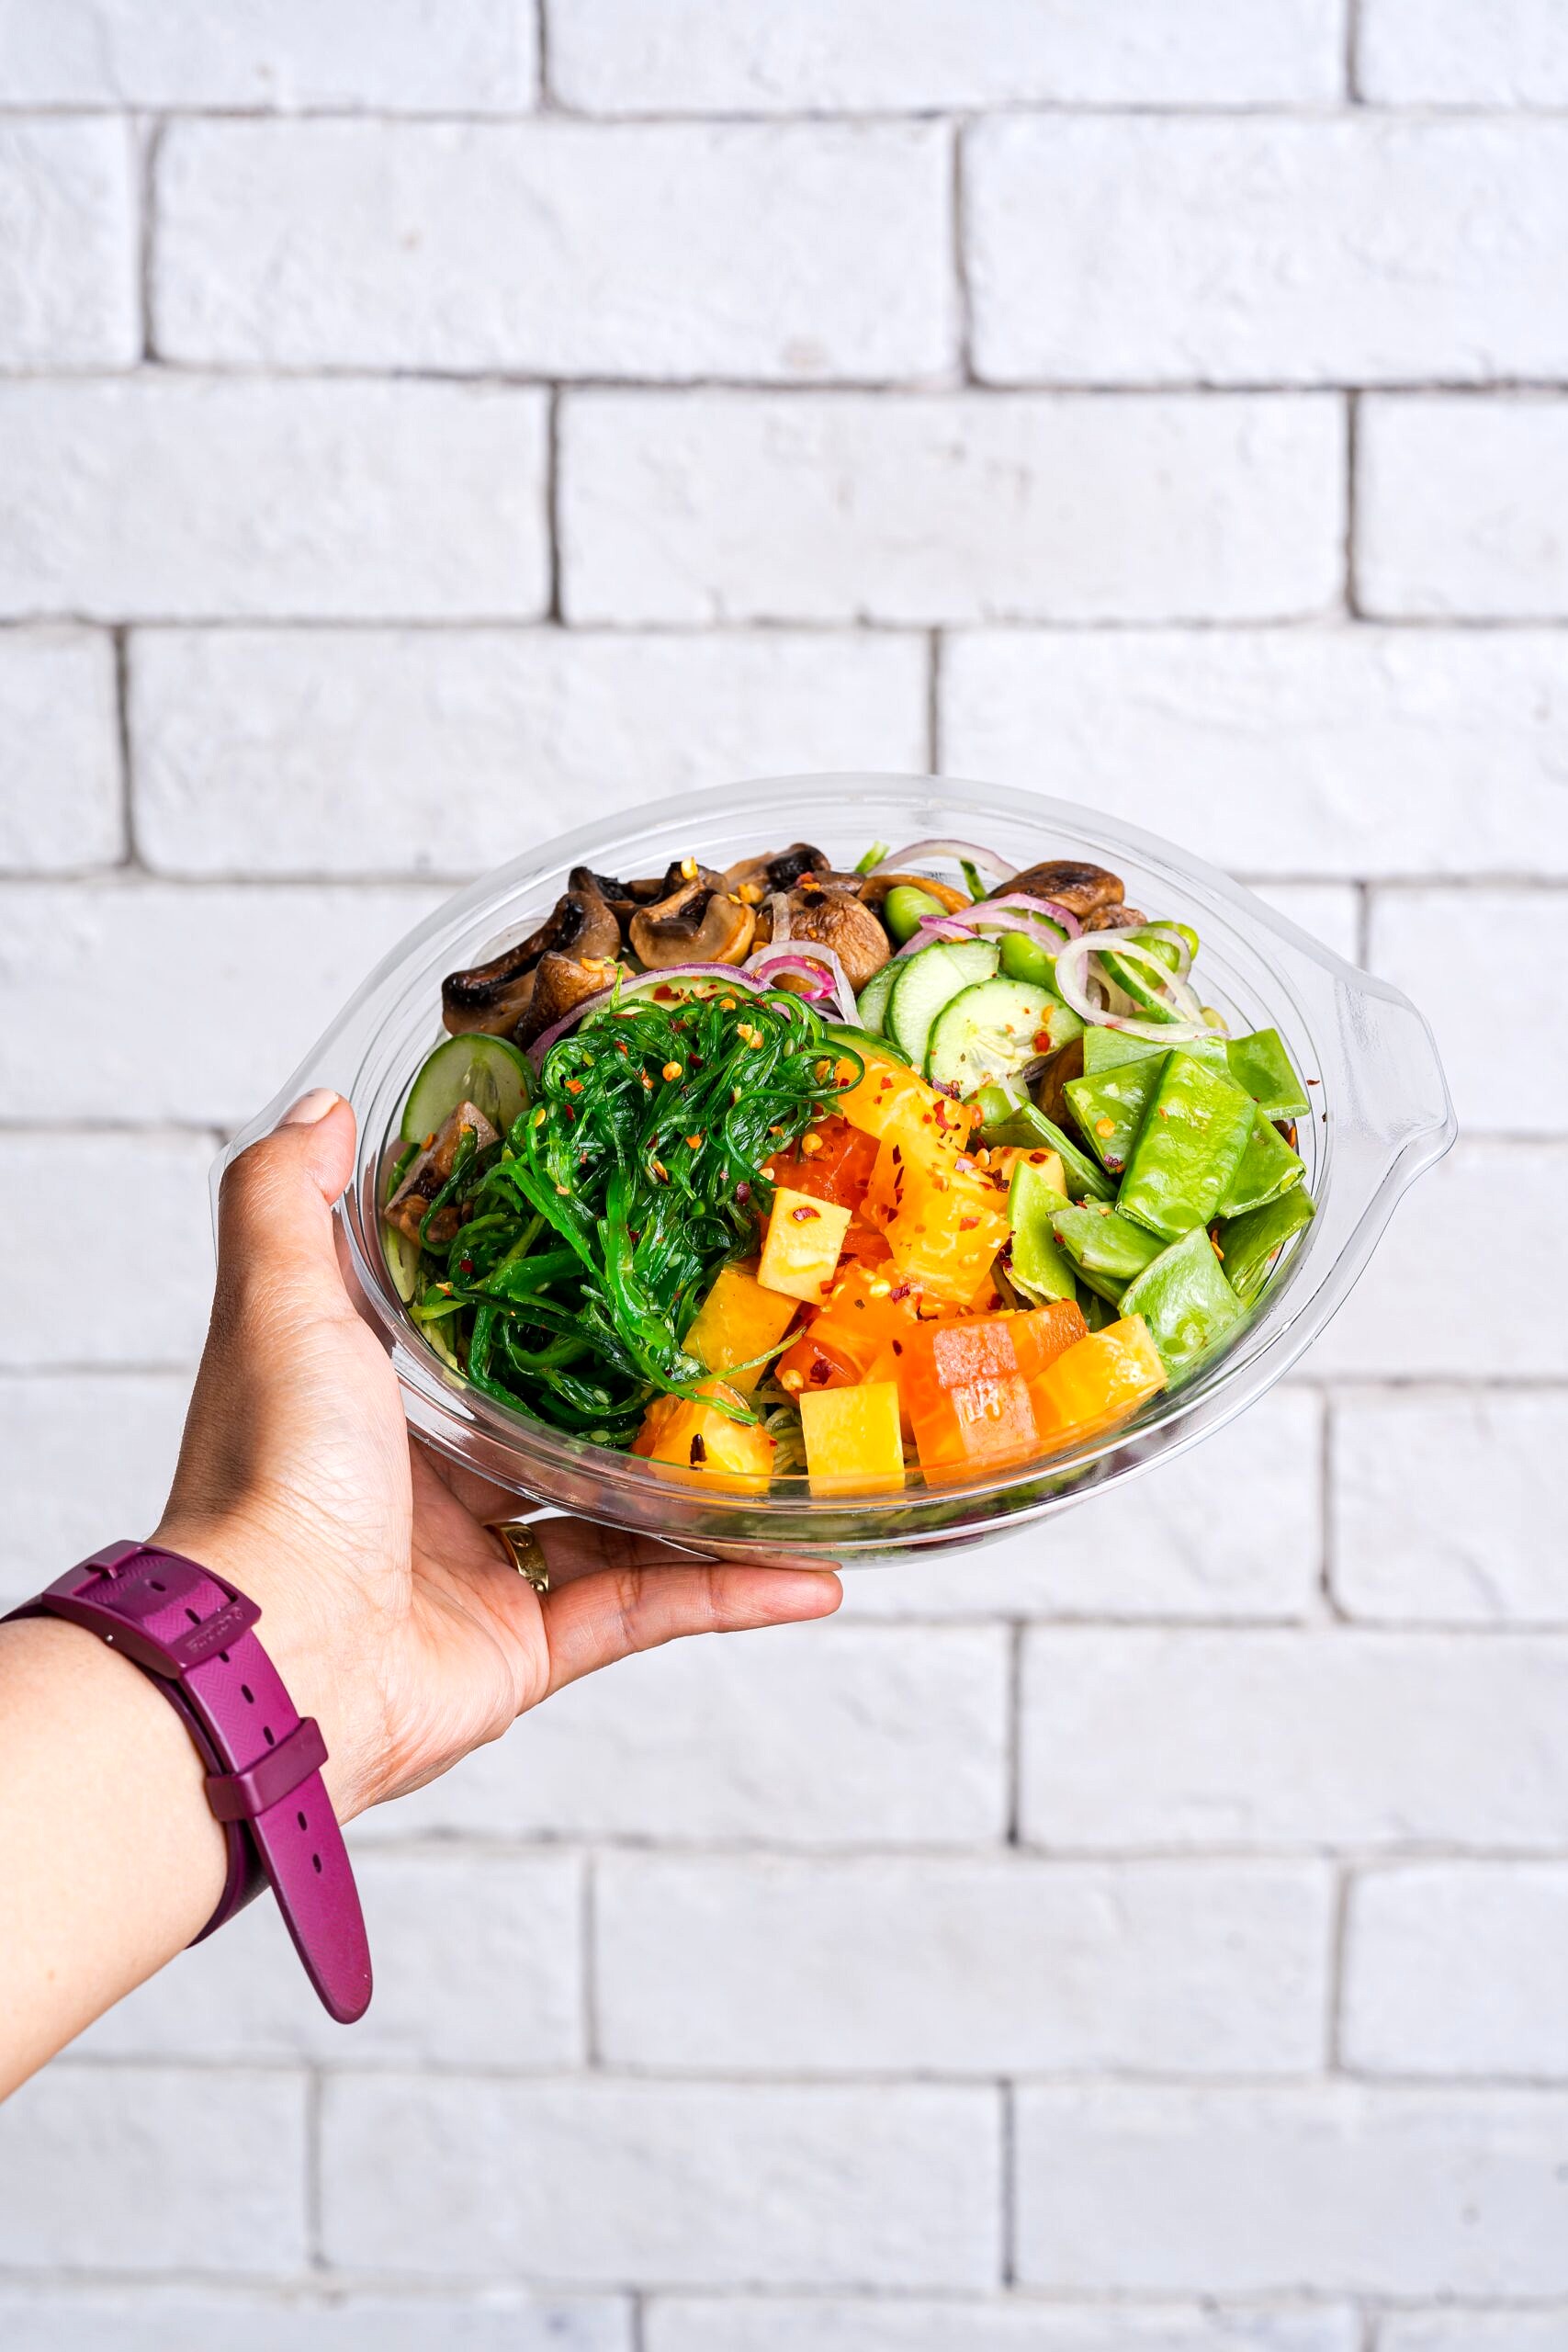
(192, 1634)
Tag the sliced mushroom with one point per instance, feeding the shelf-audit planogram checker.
(701, 922)
(1114, 919)
(496, 996)
(873, 890)
(408, 1204)
(561, 983)
(1080, 888)
(836, 918)
(754, 878)
(1066, 1063)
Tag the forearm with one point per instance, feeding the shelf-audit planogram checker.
(110, 1860)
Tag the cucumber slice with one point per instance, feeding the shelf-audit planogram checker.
(861, 1041)
(991, 1032)
(487, 1071)
(402, 1261)
(872, 1001)
(932, 978)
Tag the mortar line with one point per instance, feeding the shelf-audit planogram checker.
(545, 100)
(147, 191)
(1338, 1948)
(315, 2258)
(1352, 53)
(1014, 1720)
(963, 296)
(588, 1922)
(552, 505)
(129, 860)
(1352, 504)
(934, 656)
(1008, 2184)
(1328, 1561)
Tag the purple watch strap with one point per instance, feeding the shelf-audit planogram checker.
(192, 1634)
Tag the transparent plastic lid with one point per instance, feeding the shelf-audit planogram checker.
(1382, 1116)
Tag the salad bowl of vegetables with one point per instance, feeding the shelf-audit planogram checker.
(855, 1163)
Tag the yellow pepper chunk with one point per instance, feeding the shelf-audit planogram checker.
(948, 1230)
(801, 1250)
(693, 1439)
(737, 1321)
(852, 1441)
(1098, 1381)
(892, 1095)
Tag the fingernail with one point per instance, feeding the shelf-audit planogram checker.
(310, 1107)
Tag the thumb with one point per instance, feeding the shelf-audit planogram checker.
(275, 1223)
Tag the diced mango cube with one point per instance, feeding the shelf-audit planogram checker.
(852, 1441)
(802, 1246)
(966, 1398)
(1098, 1381)
(948, 1230)
(736, 1322)
(892, 1095)
(691, 1439)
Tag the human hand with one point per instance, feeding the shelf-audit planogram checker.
(391, 1612)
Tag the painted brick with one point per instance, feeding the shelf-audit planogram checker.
(819, 1734)
(135, 1285)
(1474, 2330)
(68, 244)
(171, 497)
(1446, 52)
(1400, 1322)
(799, 253)
(1498, 1075)
(1344, 751)
(805, 56)
(129, 2168)
(716, 507)
(184, 2319)
(58, 752)
(85, 1451)
(1357, 249)
(1455, 1968)
(478, 1963)
(724, 1966)
(274, 965)
(476, 55)
(1449, 1508)
(1021, 2324)
(671, 2183)
(1199, 1738)
(1253, 2192)
(1156, 1548)
(367, 750)
(1488, 548)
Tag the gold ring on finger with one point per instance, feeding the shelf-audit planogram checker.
(526, 1551)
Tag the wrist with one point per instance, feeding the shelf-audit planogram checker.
(297, 1630)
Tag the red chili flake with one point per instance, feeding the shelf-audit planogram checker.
(902, 1292)
(967, 1224)
(465, 1265)
(1038, 1158)
(1043, 1041)
(897, 1344)
(803, 1216)
(699, 1453)
(664, 993)
(568, 1113)
(574, 1086)
(898, 1155)
(1314, 1082)
(821, 1372)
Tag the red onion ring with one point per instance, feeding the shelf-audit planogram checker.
(638, 984)
(808, 959)
(1050, 907)
(1074, 980)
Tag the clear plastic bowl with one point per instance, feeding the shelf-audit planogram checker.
(1383, 1115)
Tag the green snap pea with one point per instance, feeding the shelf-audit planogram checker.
(1188, 1150)
(1261, 1064)
(905, 909)
(1268, 1167)
(1185, 1299)
(1039, 1265)
(1006, 1120)
(1249, 1244)
(1108, 1250)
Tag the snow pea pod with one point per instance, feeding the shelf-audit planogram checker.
(1268, 1167)
(1108, 1251)
(1038, 1262)
(1185, 1300)
(1111, 1107)
(1248, 1244)
(1188, 1150)
(1006, 1120)
(1261, 1064)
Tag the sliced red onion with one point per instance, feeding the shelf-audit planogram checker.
(1050, 907)
(983, 860)
(1075, 979)
(932, 927)
(810, 958)
(639, 984)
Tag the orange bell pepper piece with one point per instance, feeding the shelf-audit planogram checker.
(1097, 1383)
(967, 1399)
(691, 1439)
(1044, 1333)
(852, 1441)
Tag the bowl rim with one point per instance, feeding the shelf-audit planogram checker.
(447, 1409)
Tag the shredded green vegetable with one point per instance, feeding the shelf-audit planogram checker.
(592, 1232)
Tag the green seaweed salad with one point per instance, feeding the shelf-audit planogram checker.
(556, 1261)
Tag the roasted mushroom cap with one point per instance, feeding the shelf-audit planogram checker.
(1080, 888)
(497, 995)
(875, 887)
(1066, 1063)
(755, 878)
(837, 920)
(702, 922)
(561, 983)
(1114, 919)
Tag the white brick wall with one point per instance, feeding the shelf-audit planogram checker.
(419, 422)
